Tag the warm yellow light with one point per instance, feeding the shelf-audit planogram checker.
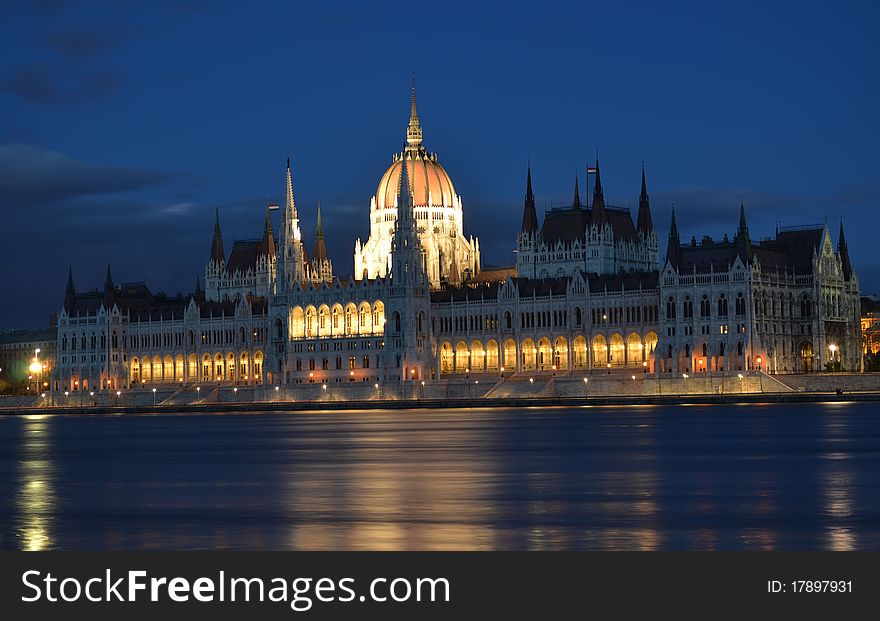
(35, 367)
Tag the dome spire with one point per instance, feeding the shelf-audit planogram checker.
(414, 129)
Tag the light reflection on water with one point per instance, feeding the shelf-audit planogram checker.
(646, 478)
(35, 496)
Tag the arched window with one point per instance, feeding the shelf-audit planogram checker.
(396, 321)
(577, 315)
(507, 320)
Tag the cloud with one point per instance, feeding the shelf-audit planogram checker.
(86, 42)
(31, 176)
(49, 85)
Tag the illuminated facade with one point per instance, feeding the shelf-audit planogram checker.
(789, 304)
(586, 294)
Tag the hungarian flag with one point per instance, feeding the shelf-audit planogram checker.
(592, 170)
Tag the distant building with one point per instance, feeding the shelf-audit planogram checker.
(19, 355)
(871, 332)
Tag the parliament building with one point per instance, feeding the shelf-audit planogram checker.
(588, 293)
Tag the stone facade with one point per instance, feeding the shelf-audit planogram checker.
(587, 295)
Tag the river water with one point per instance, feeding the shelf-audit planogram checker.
(803, 476)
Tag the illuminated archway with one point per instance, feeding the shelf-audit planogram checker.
(616, 350)
(509, 358)
(600, 351)
(560, 354)
(492, 355)
(529, 354)
(634, 350)
(579, 352)
(447, 358)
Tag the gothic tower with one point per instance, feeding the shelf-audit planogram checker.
(408, 344)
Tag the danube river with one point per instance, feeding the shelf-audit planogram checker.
(713, 477)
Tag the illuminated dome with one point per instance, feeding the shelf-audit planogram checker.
(430, 182)
(449, 256)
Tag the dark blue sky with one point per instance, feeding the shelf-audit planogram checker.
(122, 127)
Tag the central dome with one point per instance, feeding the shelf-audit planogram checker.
(431, 185)
(449, 257)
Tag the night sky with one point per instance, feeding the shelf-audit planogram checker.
(122, 127)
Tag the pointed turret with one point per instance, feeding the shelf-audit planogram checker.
(108, 289)
(530, 215)
(576, 202)
(267, 244)
(218, 256)
(673, 247)
(844, 254)
(645, 225)
(291, 262)
(454, 276)
(414, 129)
(289, 202)
(198, 291)
(69, 293)
(598, 216)
(319, 253)
(744, 244)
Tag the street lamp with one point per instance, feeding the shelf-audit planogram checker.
(586, 381)
(741, 386)
(609, 367)
(154, 397)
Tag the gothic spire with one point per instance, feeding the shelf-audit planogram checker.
(320, 251)
(576, 202)
(267, 244)
(598, 216)
(843, 250)
(414, 129)
(673, 246)
(108, 281)
(744, 244)
(530, 215)
(645, 225)
(289, 203)
(108, 289)
(217, 253)
(69, 292)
